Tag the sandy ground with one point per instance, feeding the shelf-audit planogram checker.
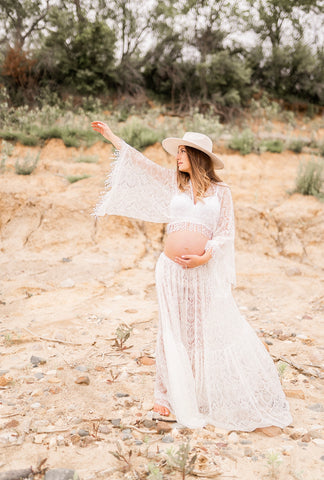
(68, 282)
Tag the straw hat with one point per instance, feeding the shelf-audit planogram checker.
(193, 139)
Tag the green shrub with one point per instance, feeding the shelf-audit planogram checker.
(140, 136)
(70, 140)
(76, 178)
(244, 142)
(27, 166)
(321, 149)
(296, 145)
(9, 135)
(273, 146)
(28, 140)
(309, 179)
(87, 159)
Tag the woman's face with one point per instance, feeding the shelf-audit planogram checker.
(183, 160)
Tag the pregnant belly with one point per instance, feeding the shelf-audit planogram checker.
(184, 243)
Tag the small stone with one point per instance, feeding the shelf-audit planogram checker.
(66, 259)
(254, 458)
(55, 390)
(61, 474)
(163, 427)
(104, 429)
(167, 439)
(138, 442)
(131, 310)
(295, 435)
(54, 380)
(84, 380)
(12, 424)
(268, 342)
(306, 438)
(322, 458)
(146, 360)
(291, 272)
(35, 405)
(39, 375)
(8, 437)
(76, 420)
(52, 442)
(37, 360)
(126, 436)
(83, 433)
(82, 368)
(121, 395)
(233, 437)
(147, 423)
(295, 394)
(316, 407)
(5, 381)
(248, 452)
(51, 372)
(3, 372)
(245, 442)
(60, 440)
(116, 421)
(67, 283)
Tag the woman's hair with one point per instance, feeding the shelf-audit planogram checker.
(202, 172)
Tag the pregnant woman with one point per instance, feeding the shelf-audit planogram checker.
(211, 367)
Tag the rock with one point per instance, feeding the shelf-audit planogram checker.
(167, 439)
(61, 474)
(131, 310)
(268, 342)
(295, 394)
(35, 361)
(83, 380)
(54, 380)
(14, 424)
(245, 442)
(35, 405)
(306, 438)
(269, 431)
(121, 395)
(295, 435)
(104, 429)
(16, 474)
(60, 440)
(322, 458)
(138, 442)
(39, 375)
(4, 381)
(55, 390)
(146, 360)
(116, 421)
(127, 436)
(83, 433)
(3, 372)
(316, 407)
(76, 420)
(67, 283)
(39, 438)
(233, 437)
(248, 452)
(82, 368)
(293, 271)
(147, 423)
(51, 372)
(163, 427)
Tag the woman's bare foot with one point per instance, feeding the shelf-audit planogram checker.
(161, 410)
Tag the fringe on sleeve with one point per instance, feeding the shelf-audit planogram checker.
(137, 188)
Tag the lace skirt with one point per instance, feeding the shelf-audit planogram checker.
(211, 366)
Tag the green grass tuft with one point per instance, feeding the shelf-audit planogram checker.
(27, 165)
(244, 142)
(87, 159)
(139, 136)
(76, 178)
(296, 145)
(310, 179)
(273, 146)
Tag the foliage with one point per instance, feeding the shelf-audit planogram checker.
(27, 165)
(273, 463)
(122, 333)
(244, 141)
(282, 366)
(87, 159)
(76, 178)
(273, 145)
(310, 179)
(296, 145)
(154, 472)
(139, 135)
(182, 459)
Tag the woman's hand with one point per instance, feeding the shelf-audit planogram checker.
(192, 261)
(106, 132)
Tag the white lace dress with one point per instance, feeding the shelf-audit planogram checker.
(211, 367)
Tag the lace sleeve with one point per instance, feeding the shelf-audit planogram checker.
(137, 188)
(222, 242)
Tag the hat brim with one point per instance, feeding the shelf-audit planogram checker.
(171, 145)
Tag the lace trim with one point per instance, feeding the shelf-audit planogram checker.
(190, 227)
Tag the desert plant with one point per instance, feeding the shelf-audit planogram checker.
(273, 463)
(123, 457)
(273, 146)
(243, 142)
(282, 368)
(122, 333)
(154, 472)
(27, 166)
(181, 459)
(140, 136)
(87, 159)
(76, 178)
(6, 151)
(309, 179)
(296, 145)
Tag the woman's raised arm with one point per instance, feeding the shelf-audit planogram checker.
(106, 132)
